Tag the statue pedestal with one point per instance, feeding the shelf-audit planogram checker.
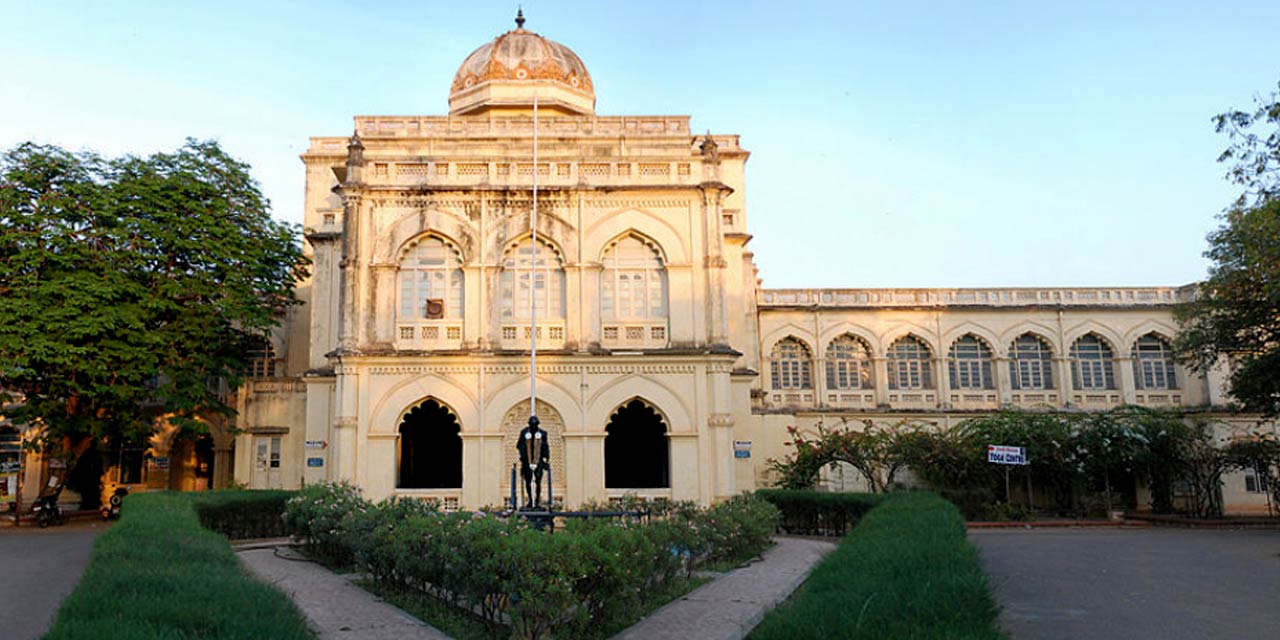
(541, 519)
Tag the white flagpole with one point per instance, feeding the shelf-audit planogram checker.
(533, 281)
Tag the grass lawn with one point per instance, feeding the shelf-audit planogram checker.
(157, 574)
(906, 571)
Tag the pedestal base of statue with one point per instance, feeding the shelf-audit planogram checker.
(539, 517)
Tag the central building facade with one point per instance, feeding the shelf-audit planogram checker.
(664, 370)
(416, 329)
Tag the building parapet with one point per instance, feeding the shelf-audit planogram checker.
(549, 125)
(976, 297)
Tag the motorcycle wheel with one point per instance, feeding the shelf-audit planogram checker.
(42, 519)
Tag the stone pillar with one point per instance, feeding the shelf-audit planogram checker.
(941, 382)
(880, 380)
(1004, 383)
(221, 466)
(350, 264)
(1062, 366)
(1125, 379)
(473, 293)
(577, 313)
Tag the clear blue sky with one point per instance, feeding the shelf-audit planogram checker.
(894, 143)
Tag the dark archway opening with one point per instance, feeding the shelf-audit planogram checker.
(636, 450)
(430, 449)
(203, 470)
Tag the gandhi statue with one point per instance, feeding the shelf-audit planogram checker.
(535, 458)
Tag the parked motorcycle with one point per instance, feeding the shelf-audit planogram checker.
(47, 511)
(111, 510)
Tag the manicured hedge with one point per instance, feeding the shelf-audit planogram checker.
(242, 515)
(577, 582)
(906, 571)
(157, 574)
(818, 512)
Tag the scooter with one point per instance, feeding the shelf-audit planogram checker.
(47, 511)
(111, 510)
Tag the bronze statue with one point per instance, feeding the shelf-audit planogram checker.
(535, 458)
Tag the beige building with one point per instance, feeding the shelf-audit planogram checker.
(663, 368)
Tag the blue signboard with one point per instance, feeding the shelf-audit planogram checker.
(315, 462)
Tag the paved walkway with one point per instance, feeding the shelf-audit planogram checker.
(1134, 583)
(335, 608)
(41, 566)
(725, 609)
(731, 606)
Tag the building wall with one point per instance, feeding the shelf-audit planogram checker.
(353, 365)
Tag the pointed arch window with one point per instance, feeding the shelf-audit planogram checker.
(1153, 365)
(1091, 364)
(969, 364)
(1030, 363)
(910, 365)
(431, 270)
(524, 282)
(790, 365)
(634, 282)
(848, 364)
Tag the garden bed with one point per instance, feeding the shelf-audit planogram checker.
(585, 580)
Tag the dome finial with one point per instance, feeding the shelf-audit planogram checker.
(519, 17)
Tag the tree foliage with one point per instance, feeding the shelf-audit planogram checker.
(127, 285)
(1255, 148)
(1070, 456)
(878, 453)
(1236, 314)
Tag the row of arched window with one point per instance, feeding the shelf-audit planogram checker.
(970, 364)
(633, 284)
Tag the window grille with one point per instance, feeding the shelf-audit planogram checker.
(430, 271)
(1153, 365)
(970, 364)
(909, 364)
(1030, 363)
(262, 361)
(848, 364)
(522, 282)
(1091, 364)
(790, 365)
(634, 282)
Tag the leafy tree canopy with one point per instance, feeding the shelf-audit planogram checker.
(1237, 312)
(130, 286)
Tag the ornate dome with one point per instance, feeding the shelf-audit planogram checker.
(518, 64)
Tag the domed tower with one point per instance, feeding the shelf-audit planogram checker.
(506, 74)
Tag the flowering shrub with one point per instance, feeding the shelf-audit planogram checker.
(318, 516)
(574, 581)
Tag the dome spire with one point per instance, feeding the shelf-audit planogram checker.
(519, 17)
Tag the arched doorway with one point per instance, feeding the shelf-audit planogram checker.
(429, 449)
(635, 449)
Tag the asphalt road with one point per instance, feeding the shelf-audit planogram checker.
(1134, 583)
(40, 567)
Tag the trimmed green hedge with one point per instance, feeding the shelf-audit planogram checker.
(157, 575)
(906, 571)
(243, 515)
(821, 513)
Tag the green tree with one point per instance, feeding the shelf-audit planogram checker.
(1236, 313)
(130, 287)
